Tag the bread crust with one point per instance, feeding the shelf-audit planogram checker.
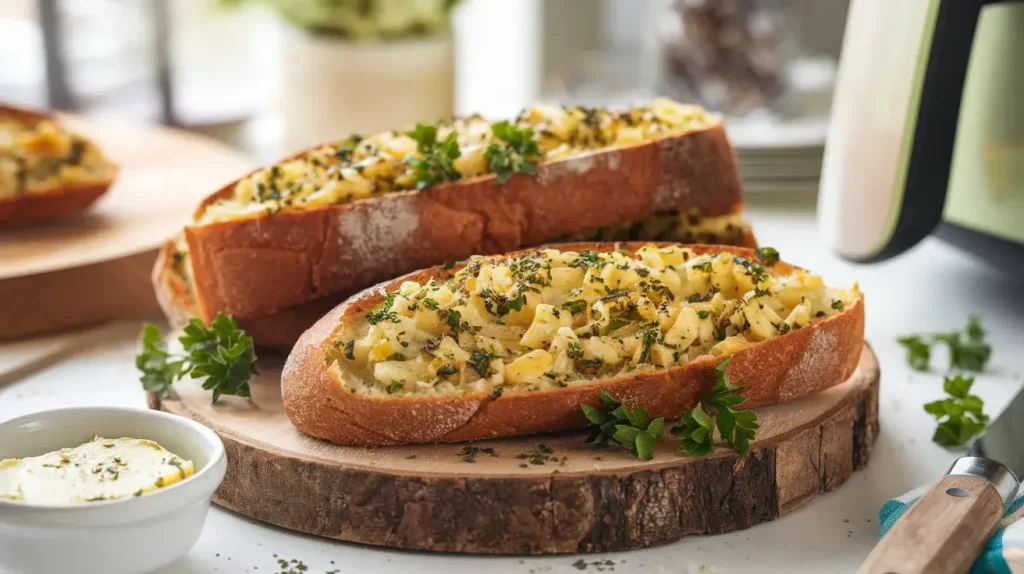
(55, 202)
(798, 363)
(261, 267)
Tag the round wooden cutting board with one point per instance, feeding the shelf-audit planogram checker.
(95, 266)
(577, 499)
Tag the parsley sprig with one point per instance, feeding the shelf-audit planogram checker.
(436, 166)
(968, 350)
(960, 416)
(222, 353)
(632, 429)
(696, 431)
(518, 153)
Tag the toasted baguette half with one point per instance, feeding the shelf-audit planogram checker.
(273, 273)
(59, 196)
(318, 402)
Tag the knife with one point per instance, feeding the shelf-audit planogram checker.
(944, 531)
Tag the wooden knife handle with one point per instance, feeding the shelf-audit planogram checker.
(944, 531)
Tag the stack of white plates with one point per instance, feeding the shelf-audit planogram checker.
(779, 156)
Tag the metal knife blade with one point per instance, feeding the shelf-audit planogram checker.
(1003, 441)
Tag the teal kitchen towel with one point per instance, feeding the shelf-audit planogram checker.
(1005, 551)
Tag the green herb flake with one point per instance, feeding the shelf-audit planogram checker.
(453, 318)
(384, 312)
(575, 307)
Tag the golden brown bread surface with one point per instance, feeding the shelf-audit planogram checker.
(275, 273)
(54, 201)
(783, 368)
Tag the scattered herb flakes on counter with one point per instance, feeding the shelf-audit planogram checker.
(540, 454)
(597, 565)
(632, 429)
(468, 453)
(222, 353)
(960, 416)
(968, 350)
(737, 427)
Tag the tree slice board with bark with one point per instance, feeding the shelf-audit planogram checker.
(540, 494)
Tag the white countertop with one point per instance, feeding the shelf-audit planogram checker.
(932, 288)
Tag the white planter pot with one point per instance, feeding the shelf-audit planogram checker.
(331, 88)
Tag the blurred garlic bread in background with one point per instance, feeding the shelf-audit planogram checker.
(46, 172)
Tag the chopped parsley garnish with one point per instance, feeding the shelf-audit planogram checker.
(446, 370)
(706, 266)
(574, 352)
(429, 303)
(222, 353)
(616, 323)
(587, 259)
(468, 453)
(395, 357)
(837, 305)
(350, 349)
(480, 362)
(960, 416)
(517, 154)
(453, 318)
(632, 429)
(384, 312)
(703, 314)
(514, 304)
(436, 166)
(696, 431)
(968, 350)
(450, 262)
(575, 307)
(394, 387)
(650, 337)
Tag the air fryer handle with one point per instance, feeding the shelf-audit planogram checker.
(928, 168)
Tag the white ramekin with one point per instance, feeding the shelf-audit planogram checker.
(126, 536)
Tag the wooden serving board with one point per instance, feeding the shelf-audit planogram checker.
(95, 266)
(580, 499)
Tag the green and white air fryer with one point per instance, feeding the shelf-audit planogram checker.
(927, 130)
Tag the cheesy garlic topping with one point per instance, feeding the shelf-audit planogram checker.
(102, 469)
(36, 157)
(362, 167)
(554, 318)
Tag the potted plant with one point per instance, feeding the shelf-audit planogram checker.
(361, 66)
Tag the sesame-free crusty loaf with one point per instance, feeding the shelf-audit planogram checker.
(46, 172)
(514, 344)
(281, 246)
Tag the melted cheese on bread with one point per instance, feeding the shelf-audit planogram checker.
(551, 318)
(41, 156)
(362, 167)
